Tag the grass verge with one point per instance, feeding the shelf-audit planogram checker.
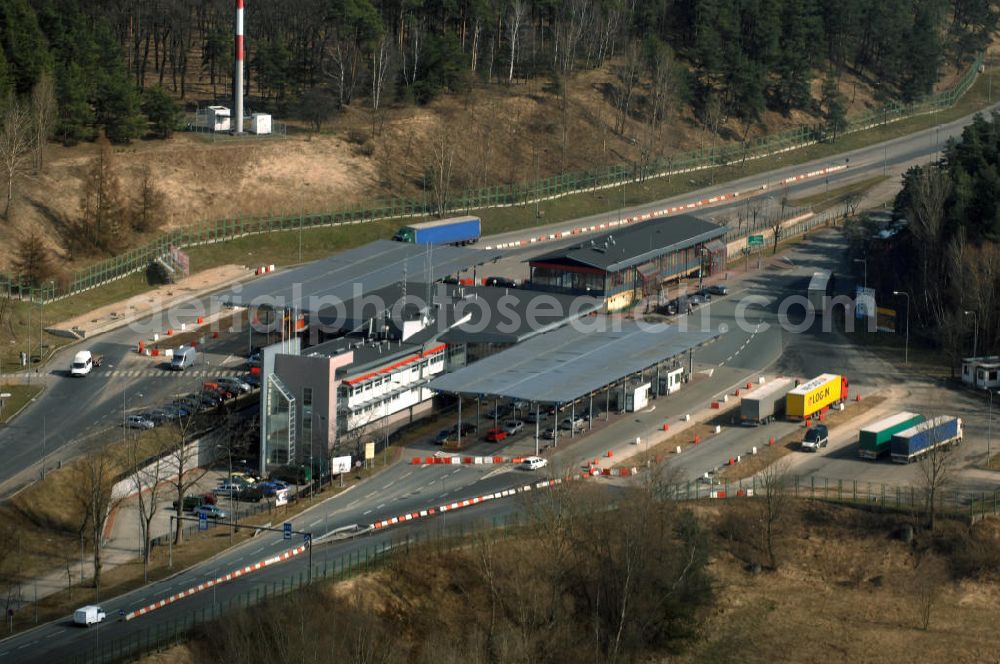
(20, 396)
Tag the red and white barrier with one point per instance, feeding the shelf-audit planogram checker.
(558, 235)
(249, 569)
(468, 502)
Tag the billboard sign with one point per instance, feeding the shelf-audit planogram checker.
(340, 465)
(369, 451)
(864, 303)
(886, 319)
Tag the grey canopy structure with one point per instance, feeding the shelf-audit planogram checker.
(355, 272)
(568, 363)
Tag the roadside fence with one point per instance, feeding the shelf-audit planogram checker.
(497, 196)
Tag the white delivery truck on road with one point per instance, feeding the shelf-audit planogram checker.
(83, 362)
(184, 357)
(89, 615)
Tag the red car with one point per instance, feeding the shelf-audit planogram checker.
(495, 435)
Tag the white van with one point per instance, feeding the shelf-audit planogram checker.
(89, 615)
(183, 358)
(83, 362)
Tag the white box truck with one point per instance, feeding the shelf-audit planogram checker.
(89, 615)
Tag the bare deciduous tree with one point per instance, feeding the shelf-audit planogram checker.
(16, 144)
(93, 480)
(772, 503)
(442, 159)
(182, 455)
(937, 472)
(929, 580)
(381, 64)
(44, 109)
(626, 79)
(515, 18)
(149, 470)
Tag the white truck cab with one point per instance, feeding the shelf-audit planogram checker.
(89, 615)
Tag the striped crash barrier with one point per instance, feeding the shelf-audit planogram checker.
(558, 235)
(249, 569)
(469, 502)
(466, 460)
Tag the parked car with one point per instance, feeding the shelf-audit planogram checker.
(272, 487)
(534, 463)
(220, 390)
(497, 413)
(496, 435)
(156, 416)
(595, 414)
(468, 429)
(500, 282)
(251, 494)
(139, 422)
(227, 489)
(817, 436)
(531, 417)
(513, 427)
(189, 405)
(718, 289)
(549, 434)
(252, 381)
(444, 435)
(211, 512)
(698, 299)
(210, 399)
(569, 423)
(234, 384)
(243, 478)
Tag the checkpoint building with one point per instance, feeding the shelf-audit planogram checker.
(623, 266)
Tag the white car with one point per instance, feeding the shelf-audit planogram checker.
(89, 615)
(534, 463)
(513, 427)
(139, 422)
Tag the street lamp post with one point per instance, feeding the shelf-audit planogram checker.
(975, 331)
(906, 355)
(989, 427)
(864, 261)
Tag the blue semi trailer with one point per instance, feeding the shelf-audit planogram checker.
(456, 230)
(941, 431)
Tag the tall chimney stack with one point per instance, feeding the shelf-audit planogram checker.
(238, 78)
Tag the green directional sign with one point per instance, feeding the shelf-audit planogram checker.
(755, 240)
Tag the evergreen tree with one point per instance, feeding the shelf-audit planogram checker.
(76, 115)
(834, 108)
(163, 112)
(24, 43)
(102, 204)
(117, 100)
(32, 259)
(799, 30)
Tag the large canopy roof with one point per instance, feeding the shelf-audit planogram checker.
(570, 362)
(637, 244)
(355, 272)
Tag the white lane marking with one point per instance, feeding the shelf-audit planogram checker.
(352, 503)
(369, 495)
(403, 477)
(315, 523)
(456, 470)
(443, 494)
(378, 507)
(367, 513)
